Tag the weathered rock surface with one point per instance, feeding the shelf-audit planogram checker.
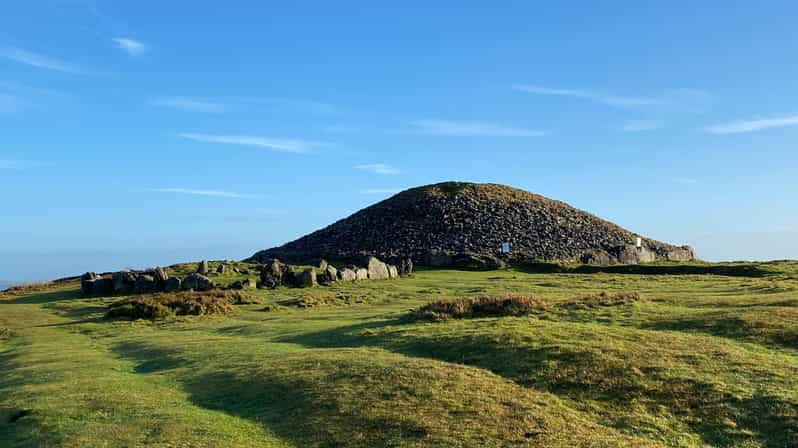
(124, 281)
(406, 267)
(434, 223)
(103, 286)
(377, 270)
(307, 278)
(87, 283)
(203, 267)
(173, 284)
(347, 275)
(197, 282)
(144, 283)
(243, 284)
(476, 262)
(361, 274)
(330, 273)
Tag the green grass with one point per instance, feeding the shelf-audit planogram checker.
(705, 355)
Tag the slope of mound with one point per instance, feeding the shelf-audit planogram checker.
(460, 217)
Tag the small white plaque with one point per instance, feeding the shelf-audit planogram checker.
(639, 243)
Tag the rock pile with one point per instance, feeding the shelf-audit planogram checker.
(276, 273)
(441, 223)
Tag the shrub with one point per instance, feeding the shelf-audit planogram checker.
(602, 299)
(161, 305)
(483, 306)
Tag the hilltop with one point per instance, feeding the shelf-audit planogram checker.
(468, 218)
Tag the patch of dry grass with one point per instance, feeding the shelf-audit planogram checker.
(602, 299)
(483, 306)
(161, 305)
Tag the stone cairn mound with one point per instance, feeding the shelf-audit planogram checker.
(461, 224)
(276, 273)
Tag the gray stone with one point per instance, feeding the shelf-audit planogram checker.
(221, 269)
(197, 282)
(330, 273)
(393, 272)
(361, 274)
(307, 278)
(103, 286)
(597, 258)
(323, 264)
(377, 270)
(202, 267)
(347, 275)
(144, 283)
(124, 281)
(173, 284)
(289, 276)
(247, 283)
(683, 253)
(87, 283)
(475, 262)
(271, 274)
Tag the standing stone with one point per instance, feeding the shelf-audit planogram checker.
(406, 267)
(392, 271)
(161, 277)
(271, 274)
(361, 274)
(197, 282)
(330, 273)
(103, 286)
(323, 264)
(202, 267)
(377, 270)
(289, 276)
(221, 269)
(87, 283)
(124, 281)
(172, 284)
(307, 278)
(347, 275)
(144, 283)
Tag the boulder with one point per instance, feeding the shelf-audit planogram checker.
(124, 281)
(361, 274)
(197, 282)
(631, 254)
(221, 269)
(330, 273)
(103, 286)
(596, 258)
(474, 262)
(347, 275)
(144, 283)
(436, 258)
(377, 270)
(202, 267)
(393, 272)
(406, 267)
(289, 276)
(161, 277)
(247, 283)
(307, 278)
(87, 283)
(271, 274)
(683, 253)
(323, 264)
(173, 284)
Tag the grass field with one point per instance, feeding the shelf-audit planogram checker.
(707, 356)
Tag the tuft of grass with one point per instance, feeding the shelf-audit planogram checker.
(162, 305)
(483, 306)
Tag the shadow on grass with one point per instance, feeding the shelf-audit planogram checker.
(731, 270)
(43, 297)
(294, 397)
(732, 328)
(586, 374)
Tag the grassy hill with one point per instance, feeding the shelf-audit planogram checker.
(703, 355)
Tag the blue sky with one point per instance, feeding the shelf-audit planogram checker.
(142, 133)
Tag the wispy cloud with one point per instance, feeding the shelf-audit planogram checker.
(131, 46)
(378, 168)
(36, 60)
(641, 125)
(683, 99)
(754, 125)
(196, 192)
(283, 145)
(472, 129)
(189, 104)
(608, 99)
(381, 190)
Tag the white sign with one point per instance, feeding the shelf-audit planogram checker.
(505, 248)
